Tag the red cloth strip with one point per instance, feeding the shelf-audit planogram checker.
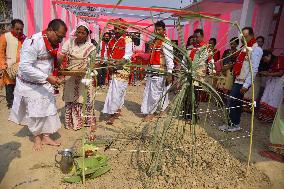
(106, 20)
(20, 38)
(52, 51)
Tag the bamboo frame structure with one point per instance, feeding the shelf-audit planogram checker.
(187, 77)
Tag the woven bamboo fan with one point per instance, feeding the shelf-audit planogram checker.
(13, 70)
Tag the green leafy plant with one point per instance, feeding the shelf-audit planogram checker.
(183, 103)
(91, 167)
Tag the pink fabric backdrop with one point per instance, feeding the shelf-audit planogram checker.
(46, 9)
(186, 32)
(71, 20)
(67, 21)
(30, 17)
(222, 38)
(195, 25)
(207, 30)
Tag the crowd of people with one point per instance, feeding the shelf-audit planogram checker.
(30, 67)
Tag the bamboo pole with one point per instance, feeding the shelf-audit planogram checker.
(252, 99)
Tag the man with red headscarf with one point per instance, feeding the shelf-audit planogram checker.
(156, 90)
(34, 102)
(10, 45)
(119, 49)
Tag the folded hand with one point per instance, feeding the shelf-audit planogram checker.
(54, 80)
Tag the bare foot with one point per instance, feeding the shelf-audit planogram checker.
(162, 114)
(37, 143)
(111, 119)
(149, 117)
(117, 114)
(48, 141)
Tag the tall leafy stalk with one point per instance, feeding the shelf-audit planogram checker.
(185, 100)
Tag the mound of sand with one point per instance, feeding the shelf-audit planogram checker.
(214, 164)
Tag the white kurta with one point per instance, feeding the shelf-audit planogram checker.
(115, 96)
(34, 102)
(155, 95)
(155, 92)
(117, 88)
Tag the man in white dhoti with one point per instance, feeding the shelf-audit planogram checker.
(155, 93)
(34, 101)
(119, 48)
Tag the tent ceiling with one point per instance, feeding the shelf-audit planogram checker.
(126, 13)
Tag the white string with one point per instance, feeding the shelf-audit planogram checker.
(182, 147)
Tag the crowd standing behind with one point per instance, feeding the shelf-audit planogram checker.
(29, 71)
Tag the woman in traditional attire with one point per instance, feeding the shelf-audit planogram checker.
(276, 146)
(259, 81)
(229, 57)
(77, 50)
(273, 92)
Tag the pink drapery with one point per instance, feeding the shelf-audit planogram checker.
(207, 30)
(195, 25)
(67, 21)
(30, 17)
(58, 12)
(186, 32)
(145, 23)
(46, 9)
(73, 17)
(222, 37)
(254, 16)
(168, 33)
(223, 34)
(71, 20)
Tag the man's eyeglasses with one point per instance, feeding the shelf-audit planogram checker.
(59, 36)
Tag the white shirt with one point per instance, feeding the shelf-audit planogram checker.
(128, 49)
(105, 53)
(168, 51)
(36, 64)
(245, 75)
